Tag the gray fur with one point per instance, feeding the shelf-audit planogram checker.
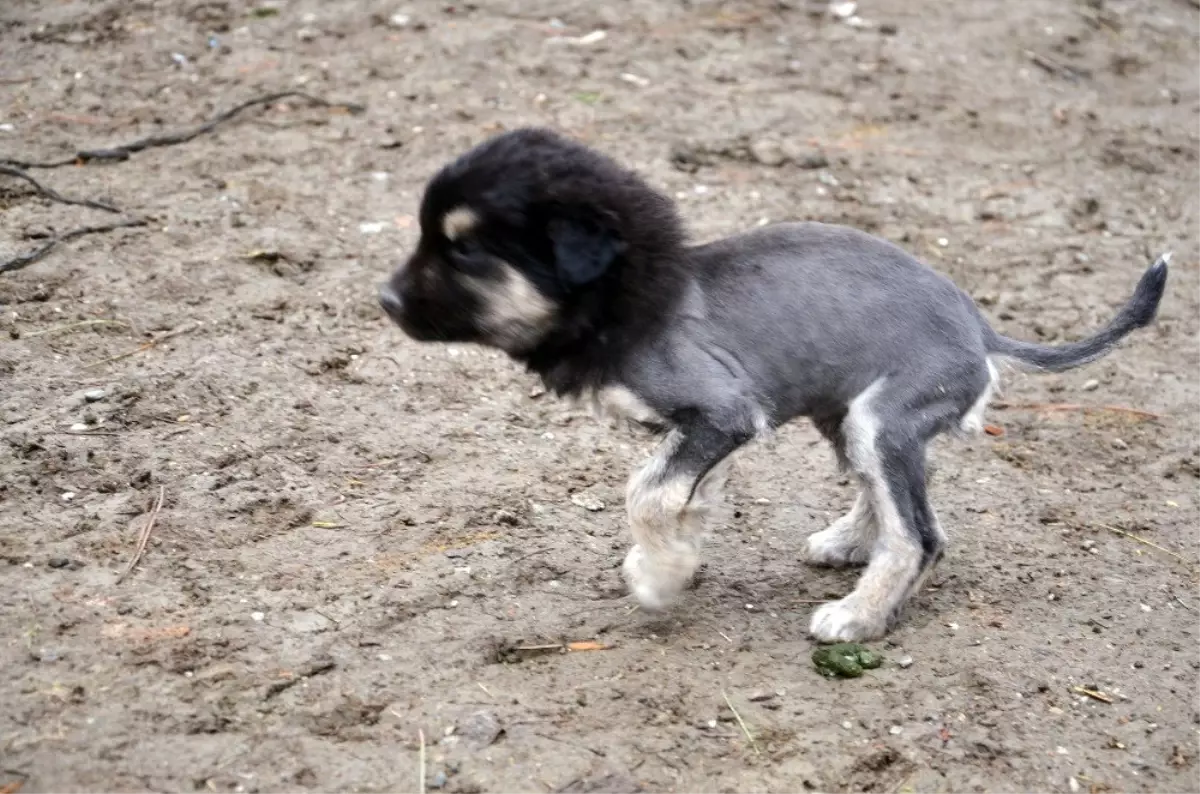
(717, 344)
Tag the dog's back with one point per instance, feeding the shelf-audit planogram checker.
(817, 312)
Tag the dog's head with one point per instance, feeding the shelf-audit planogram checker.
(526, 239)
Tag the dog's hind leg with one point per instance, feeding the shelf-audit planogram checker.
(668, 501)
(885, 432)
(849, 539)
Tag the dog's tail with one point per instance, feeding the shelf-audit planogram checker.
(1138, 312)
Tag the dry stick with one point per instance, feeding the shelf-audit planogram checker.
(145, 346)
(72, 326)
(25, 260)
(54, 195)
(118, 153)
(145, 537)
(1092, 693)
(1151, 544)
(741, 723)
(421, 756)
(1119, 409)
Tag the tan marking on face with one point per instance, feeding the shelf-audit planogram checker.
(515, 313)
(459, 221)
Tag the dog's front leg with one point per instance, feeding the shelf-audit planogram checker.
(668, 501)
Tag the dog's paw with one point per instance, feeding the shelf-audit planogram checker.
(656, 581)
(847, 621)
(840, 544)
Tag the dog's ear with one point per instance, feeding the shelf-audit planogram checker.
(583, 249)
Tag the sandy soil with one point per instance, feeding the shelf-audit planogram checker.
(357, 531)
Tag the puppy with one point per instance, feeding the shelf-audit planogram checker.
(574, 266)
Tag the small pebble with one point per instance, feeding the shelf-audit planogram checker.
(58, 562)
(848, 725)
(589, 503)
(1073, 784)
(79, 426)
(1146, 608)
(438, 781)
(481, 728)
(7, 128)
(399, 20)
(895, 730)
(750, 607)
(94, 395)
(843, 10)
(904, 662)
(370, 228)
(1091, 385)
(943, 242)
(767, 153)
(1119, 444)
(68, 496)
(257, 617)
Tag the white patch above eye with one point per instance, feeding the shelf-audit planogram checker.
(459, 221)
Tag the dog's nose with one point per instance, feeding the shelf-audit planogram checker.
(391, 302)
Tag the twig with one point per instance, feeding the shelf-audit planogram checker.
(25, 260)
(421, 761)
(741, 723)
(54, 195)
(145, 346)
(1121, 409)
(1055, 67)
(84, 433)
(72, 326)
(524, 557)
(145, 536)
(485, 690)
(1151, 544)
(321, 664)
(123, 152)
(1093, 694)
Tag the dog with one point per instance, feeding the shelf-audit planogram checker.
(550, 251)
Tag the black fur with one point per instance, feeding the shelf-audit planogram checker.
(592, 236)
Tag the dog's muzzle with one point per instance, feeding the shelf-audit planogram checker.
(392, 304)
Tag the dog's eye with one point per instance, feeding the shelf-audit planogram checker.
(464, 246)
(466, 255)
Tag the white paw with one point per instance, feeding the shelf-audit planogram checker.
(838, 545)
(846, 621)
(658, 580)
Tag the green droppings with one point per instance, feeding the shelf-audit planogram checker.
(845, 660)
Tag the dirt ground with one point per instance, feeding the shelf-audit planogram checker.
(357, 532)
